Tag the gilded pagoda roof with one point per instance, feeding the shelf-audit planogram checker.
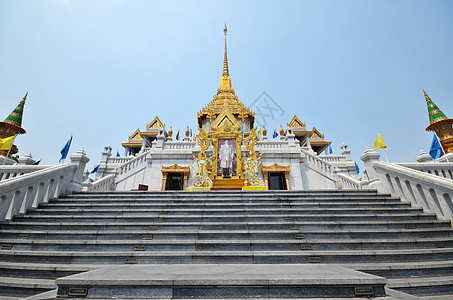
(225, 97)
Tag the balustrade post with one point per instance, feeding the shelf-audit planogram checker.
(369, 157)
(76, 182)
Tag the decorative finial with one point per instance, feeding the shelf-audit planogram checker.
(225, 59)
(435, 114)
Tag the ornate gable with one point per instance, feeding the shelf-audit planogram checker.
(316, 134)
(136, 136)
(296, 123)
(155, 124)
(225, 118)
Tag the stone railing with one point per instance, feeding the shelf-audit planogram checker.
(271, 144)
(119, 160)
(349, 182)
(29, 190)
(333, 158)
(442, 169)
(183, 145)
(431, 192)
(319, 165)
(8, 172)
(103, 184)
(131, 164)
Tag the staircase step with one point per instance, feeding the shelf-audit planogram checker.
(423, 286)
(22, 287)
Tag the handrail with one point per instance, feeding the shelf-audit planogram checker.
(350, 182)
(127, 166)
(103, 184)
(319, 165)
(440, 169)
(29, 190)
(119, 160)
(11, 171)
(431, 192)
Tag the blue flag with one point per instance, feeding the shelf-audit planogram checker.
(117, 154)
(190, 132)
(330, 150)
(177, 136)
(37, 162)
(64, 152)
(275, 134)
(95, 169)
(357, 168)
(436, 150)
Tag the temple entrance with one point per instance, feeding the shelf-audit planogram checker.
(277, 181)
(174, 181)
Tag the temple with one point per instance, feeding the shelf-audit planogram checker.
(160, 161)
(245, 216)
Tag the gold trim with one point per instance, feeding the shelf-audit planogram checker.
(276, 168)
(296, 123)
(155, 124)
(227, 130)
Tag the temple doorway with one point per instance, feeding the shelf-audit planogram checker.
(174, 181)
(277, 181)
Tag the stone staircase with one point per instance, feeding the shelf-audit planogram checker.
(359, 230)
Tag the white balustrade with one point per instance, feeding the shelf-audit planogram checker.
(103, 184)
(431, 192)
(333, 158)
(11, 171)
(29, 190)
(119, 160)
(271, 144)
(444, 170)
(180, 145)
(319, 165)
(349, 182)
(131, 164)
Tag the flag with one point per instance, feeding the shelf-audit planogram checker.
(190, 132)
(242, 129)
(117, 154)
(37, 162)
(379, 144)
(7, 143)
(330, 150)
(275, 134)
(95, 169)
(177, 136)
(259, 131)
(64, 152)
(130, 151)
(436, 150)
(357, 168)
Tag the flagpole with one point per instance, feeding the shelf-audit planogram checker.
(9, 150)
(385, 153)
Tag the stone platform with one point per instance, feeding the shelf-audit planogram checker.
(210, 281)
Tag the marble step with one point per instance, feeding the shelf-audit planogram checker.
(222, 257)
(23, 287)
(438, 285)
(388, 270)
(221, 281)
(225, 245)
(118, 208)
(107, 231)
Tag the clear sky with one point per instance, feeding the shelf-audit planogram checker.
(101, 69)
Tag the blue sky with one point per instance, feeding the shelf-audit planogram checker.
(101, 69)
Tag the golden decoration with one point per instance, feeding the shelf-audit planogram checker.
(252, 163)
(296, 123)
(170, 132)
(155, 124)
(201, 178)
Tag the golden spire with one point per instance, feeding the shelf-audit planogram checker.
(225, 81)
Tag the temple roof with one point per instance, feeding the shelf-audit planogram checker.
(13, 123)
(225, 97)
